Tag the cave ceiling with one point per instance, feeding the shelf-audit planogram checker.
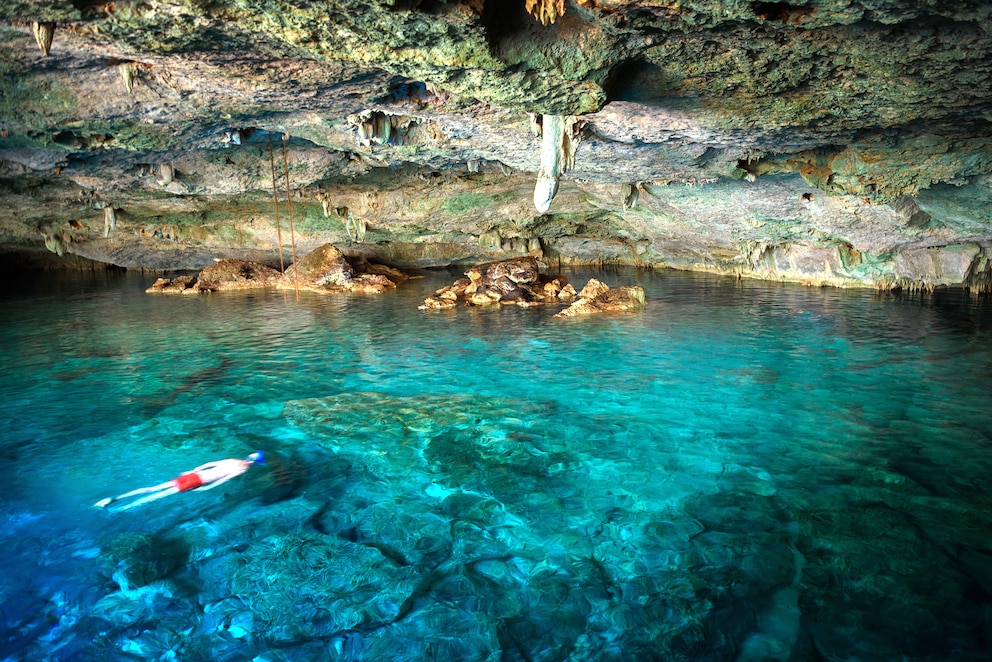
(734, 136)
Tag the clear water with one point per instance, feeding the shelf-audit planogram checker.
(743, 471)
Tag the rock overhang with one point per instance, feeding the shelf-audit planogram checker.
(869, 102)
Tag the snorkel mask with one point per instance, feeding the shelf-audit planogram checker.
(258, 457)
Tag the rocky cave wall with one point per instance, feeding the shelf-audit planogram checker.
(822, 141)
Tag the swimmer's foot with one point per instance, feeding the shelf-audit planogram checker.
(103, 503)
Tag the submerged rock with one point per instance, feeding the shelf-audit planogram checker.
(597, 297)
(304, 586)
(426, 438)
(517, 281)
(137, 559)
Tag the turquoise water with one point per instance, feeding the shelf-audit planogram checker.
(742, 471)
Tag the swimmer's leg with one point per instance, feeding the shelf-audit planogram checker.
(170, 488)
(103, 503)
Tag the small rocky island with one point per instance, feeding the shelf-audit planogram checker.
(325, 270)
(520, 282)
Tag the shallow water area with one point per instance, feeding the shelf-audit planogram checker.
(741, 471)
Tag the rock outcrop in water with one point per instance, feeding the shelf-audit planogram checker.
(327, 269)
(597, 297)
(518, 281)
(324, 270)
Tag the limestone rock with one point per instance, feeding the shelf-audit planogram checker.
(521, 271)
(517, 281)
(593, 289)
(234, 274)
(138, 559)
(448, 296)
(722, 124)
(322, 268)
(177, 285)
(596, 297)
(327, 269)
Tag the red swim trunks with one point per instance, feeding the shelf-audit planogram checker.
(188, 482)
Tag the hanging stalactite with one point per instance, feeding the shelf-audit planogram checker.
(109, 220)
(44, 32)
(558, 145)
(168, 173)
(355, 227)
(546, 11)
(129, 71)
(628, 195)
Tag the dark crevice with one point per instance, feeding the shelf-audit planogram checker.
(781, 12)
(422, 6)
(502, 20)
(637, 80)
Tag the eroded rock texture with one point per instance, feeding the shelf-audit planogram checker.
(325, 270)
(827, 141)
(517, 281)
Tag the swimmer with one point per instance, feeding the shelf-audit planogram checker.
(204, 477)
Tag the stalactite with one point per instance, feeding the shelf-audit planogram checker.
(129, 71)
(382, 128)
(168, 173)
(629, 195)
(535, 124)
(356, 227)
(43, 34)
(325, 202)
(57, 240)
(546, 11)
(109, 220)
(558, 145)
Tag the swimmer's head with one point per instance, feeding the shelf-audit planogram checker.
(258, 457)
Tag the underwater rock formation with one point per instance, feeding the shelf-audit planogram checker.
(138, 559)
(449, 436)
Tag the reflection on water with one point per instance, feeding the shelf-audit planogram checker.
(742, 471)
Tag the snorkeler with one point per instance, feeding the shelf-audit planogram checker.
(204, 477)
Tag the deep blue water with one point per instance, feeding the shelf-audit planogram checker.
(742, 471)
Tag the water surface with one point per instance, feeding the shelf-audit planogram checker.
(742, 471)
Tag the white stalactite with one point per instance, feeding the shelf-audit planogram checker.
(558, 144)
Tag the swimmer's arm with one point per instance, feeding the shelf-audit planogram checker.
(210, 486)
(208, 465)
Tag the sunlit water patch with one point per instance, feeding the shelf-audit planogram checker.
(742, 471)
